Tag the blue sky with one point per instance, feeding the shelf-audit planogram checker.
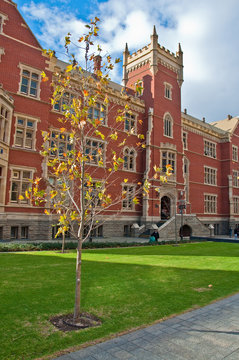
(207, 30)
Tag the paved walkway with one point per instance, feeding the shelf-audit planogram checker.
(209, 333)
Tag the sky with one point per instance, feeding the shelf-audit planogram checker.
(208, 31)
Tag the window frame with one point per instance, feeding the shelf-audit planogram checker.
(185, 140)
(210, 174)
(131, 159)
(168, 91)
(210, 149)
(92, 149)
(168, 125)
(139, 83)
(30, 79)
(3, 18)
(93, 108)
(97, 190)
(210, 203)
(25, 129)
(17, 176)
(234, 153)
(60, 137)
(235, 180)
(5, 122)
(168, 160)
(236, 205)
(63, 101)
(130, 117)
(128, 199)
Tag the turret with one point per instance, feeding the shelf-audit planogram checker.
(179, 55)
(154, 55)
(125, 62)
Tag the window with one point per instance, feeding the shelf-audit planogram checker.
(139, 88)
(24, 232)
(236, 205)
(130, 123)
(1, 23)
(30, 83)
(60, 143)
(25, 133)
(20, 181)
(210, 176)
(129, 159)
(60, 186)
(210, 204)
(55, 229)
(185, 166)
(1, 232)
(98, 111)
(127, 230)
(1, 184)
(97, 232)
(94, 193)
(14, 232)
(235, 175)
(3, 18)
(128, 196)
(168, 91)
(210, 149)
(185, 140)
(168, 126)
(95, 152)
(4, 123)
(65, 100)
(168, 158)
(234, 153)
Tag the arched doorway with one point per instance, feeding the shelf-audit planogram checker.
(165, 208)
(185, 231)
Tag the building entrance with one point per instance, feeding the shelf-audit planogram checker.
(165, 208)
(185, 231)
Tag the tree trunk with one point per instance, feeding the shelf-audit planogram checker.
(78, 282)
(63, 242)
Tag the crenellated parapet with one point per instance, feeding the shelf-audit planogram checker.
(152, 55)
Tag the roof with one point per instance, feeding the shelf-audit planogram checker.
(207, 126)
(228, 124)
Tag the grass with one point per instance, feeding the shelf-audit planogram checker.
(126, 288)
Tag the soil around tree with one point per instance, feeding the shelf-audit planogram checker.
(65, 322)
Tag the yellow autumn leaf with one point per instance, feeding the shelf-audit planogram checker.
(69, 68)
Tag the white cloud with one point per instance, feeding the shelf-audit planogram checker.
(207, 30)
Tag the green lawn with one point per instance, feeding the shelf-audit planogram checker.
(125, 287)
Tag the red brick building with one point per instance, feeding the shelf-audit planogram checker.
(204, 156)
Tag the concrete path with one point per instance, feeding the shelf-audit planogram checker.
(209, 333)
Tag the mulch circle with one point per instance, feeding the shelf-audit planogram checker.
(65, 322)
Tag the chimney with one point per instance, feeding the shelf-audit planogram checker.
(185, 111)
(203, 119)
(229, 117)
(97, 63)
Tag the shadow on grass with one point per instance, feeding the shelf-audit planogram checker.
(124, 296)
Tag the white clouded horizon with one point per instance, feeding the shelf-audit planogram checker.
(207, 30)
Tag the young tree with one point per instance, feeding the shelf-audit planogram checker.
(79, 180)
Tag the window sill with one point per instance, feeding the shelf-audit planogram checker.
(210, 184)
(14, 147)
(19, 205)
(28, 96)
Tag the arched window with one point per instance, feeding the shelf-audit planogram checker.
(168, 126)
(129, 159)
